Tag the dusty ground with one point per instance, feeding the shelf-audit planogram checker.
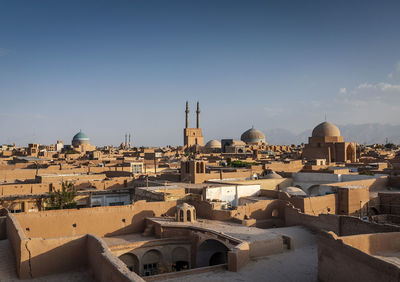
(298, 265)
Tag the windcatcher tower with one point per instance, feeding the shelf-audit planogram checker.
(192, 136)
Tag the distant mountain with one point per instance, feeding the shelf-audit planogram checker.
(369, 133)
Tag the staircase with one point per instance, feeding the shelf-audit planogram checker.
(149, 230)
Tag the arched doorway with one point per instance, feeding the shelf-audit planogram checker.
(180, 259)
(151, 262)
(131, 261)
(211, 252)
(350, 153)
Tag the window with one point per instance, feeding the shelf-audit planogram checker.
(117, 204)
(150, 269)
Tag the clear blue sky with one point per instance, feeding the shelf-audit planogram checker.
(110, 67)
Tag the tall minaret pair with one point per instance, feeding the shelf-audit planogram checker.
(197, 115)
(192, 136)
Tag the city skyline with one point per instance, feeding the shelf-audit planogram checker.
(109, 69)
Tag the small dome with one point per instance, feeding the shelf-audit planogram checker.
(272, 175)
(213, 144)
(80, 138)
(326, 129)
(252, 136)
(294, 191)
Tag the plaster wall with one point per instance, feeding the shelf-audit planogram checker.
(54, 255)
(315, 205)
(389, 203)
(354, 264)
(231, 194)
(107, 267)
(17, 240)
(100, 221)
(375, 244)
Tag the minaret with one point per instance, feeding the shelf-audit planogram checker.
(187, 114)
(198, 115)
(126, 139)
(129, 144)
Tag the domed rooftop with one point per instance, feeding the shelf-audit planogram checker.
(272, 175)
(325, 129)
(213, 144)
(294, 191)
(252, 136)
(80, 138)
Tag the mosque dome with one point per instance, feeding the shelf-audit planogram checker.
(252, 136)
(325, 129)
(80, 138)
(213, 144)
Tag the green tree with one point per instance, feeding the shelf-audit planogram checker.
(62, 199)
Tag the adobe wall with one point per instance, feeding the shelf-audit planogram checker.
(3, 227)
(100, 221)
(287, 167)
(389, 203)
(54, 255)
(261, 209)
(316, 205)
(375, 244)
(106, 266)
(17, 240)
(321, 222)
(340, 262)
(342, 225)
(350, 225)
(352, 201)
(23, 189)
(238, 257)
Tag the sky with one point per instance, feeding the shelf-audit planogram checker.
(115, 67)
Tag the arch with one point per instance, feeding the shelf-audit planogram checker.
(275, 213)
(211, 252)
(180, 259)
(350, 153)
(131, 261)
(181, 215)
(189, 215)
(151, 261)
(218, 258)
(374, 211)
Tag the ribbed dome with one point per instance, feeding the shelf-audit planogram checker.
(213, 144)
(252, 136)
(80, 138)
(326, 129)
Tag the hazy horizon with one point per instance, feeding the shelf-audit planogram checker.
(116, 67)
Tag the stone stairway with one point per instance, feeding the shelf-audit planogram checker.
(149, 230)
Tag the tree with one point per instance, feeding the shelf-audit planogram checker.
(62, 199)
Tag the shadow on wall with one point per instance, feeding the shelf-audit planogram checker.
(137, 224)
(211, 252)
(55, 256)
